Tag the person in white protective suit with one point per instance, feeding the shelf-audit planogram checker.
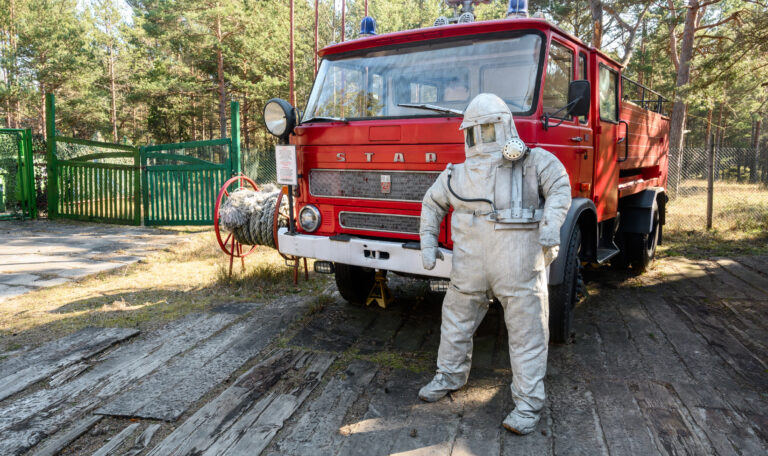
(509, 203)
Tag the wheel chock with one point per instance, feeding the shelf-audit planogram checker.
(380, 293)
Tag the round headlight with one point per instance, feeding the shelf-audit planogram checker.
(279, 117)
(309, 218)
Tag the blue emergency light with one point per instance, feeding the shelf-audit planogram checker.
(368, 26)
(518, 8)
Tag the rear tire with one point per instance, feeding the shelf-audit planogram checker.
(564, 297)
(354, 282)
(642, 247)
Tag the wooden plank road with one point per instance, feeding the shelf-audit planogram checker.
(674, 366)
(22, 371)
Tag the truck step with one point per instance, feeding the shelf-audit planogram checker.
(605, 254)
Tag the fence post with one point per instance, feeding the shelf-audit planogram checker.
(144, 183)
(710, 181)
(234, 148)
(50, 141)
(136, 186)
(29, 163)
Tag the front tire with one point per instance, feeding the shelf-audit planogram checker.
(354, 282)
(564, 297)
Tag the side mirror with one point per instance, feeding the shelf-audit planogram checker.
(578, 98)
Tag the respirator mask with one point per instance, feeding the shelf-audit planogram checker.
(514, 149)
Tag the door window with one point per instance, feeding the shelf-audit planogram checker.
(609, 94)
(559, 76)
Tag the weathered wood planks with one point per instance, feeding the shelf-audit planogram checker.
(115, 442)
(27, 369)
(246, 415)
(173, 387)
(27, 420)
(316, 430)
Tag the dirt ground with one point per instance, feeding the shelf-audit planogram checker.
(671, 362)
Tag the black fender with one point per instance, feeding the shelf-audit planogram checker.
(636, 213)
(582, 213)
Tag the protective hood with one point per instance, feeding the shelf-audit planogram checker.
(487, 110)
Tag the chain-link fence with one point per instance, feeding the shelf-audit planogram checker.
(740, 190)
(259, 165)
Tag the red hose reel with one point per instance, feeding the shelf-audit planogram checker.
(234, 248)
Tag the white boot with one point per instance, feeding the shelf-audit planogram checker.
(521, 424)
(437, 388)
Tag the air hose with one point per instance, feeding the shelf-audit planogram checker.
(467, 200)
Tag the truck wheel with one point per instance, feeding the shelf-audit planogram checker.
(642, 247)
(564, 297)
(354, 282)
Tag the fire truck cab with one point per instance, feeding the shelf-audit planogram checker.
(382, 121)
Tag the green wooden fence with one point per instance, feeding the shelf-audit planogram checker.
(180, 182)
(180, 189)
(17, 175)
(165, 184)
(91, 180)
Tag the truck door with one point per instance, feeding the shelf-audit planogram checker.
(567, 137)
(606, 193)
(586, 151)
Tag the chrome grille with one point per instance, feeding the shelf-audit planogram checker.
(405, 186)
(388, 223)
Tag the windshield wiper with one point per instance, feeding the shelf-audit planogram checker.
(432, 107)
(325, 119)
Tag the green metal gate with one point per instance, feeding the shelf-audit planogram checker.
(91, 180)
(17, 175)
(180, 181)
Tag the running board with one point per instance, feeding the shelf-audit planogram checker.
(604, 255)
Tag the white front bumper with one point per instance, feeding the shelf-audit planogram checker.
(362, 252)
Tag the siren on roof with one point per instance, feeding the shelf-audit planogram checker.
(463, 12)
(517, 8)
(368, 27)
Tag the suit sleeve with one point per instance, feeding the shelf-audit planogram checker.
(434, 207)
(555, 187)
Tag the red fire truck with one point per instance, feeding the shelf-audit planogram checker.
(382, 122)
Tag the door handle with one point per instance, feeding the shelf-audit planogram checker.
(624, 140)
(577, 139)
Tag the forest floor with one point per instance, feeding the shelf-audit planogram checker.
(172, 356)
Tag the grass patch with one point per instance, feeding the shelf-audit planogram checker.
(739, 222)
(192, 275)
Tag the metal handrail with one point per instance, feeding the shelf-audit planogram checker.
(654, 102)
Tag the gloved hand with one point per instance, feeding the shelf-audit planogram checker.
(429, 256)
(549, 234)
(550, 254)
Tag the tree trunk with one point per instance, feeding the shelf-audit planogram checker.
(220, 75)
(16, 111)
(8, 114)
(756, 146)
(246, 131)
(709, 129)
(596, 9)
(718, 139)
(112, 91)
(680, 107)
(42, 110)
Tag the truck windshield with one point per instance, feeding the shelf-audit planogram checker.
(417, 81)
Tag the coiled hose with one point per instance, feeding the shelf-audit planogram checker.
(250, 215)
